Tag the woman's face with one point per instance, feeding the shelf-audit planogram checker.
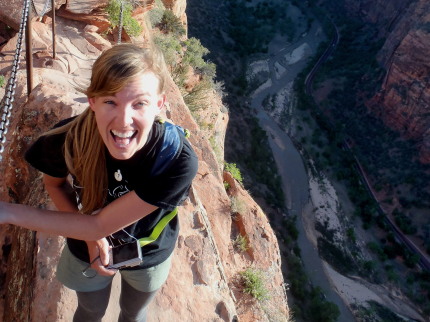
(125, 118)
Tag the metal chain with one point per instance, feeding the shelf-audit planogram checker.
(46, 7)
(8, 99)
(121, 9)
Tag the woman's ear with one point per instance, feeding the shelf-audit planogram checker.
(92, 101)
(161, 101)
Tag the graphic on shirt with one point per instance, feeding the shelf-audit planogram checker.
(118, 175)
(118, 191)
(113, 191)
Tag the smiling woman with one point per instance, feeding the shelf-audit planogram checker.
(125, 118)
(97, 170)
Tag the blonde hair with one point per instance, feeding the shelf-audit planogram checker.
(84, 149)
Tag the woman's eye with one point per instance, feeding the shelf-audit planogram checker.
(142, 103)
(109, 102)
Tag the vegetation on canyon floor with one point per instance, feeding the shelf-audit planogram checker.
(389, 161)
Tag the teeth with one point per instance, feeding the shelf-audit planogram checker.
(123, 135)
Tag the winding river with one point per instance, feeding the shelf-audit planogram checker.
(283, 69)
(291, 166)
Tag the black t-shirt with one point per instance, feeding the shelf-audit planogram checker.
(166, 191)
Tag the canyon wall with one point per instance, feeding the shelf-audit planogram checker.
(205, 283)
(403, 101)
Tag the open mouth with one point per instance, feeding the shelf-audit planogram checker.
(123, 138)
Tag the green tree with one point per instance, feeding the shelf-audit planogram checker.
(130, 24)
(156, 14)
(234, 171)
(171, 48)
(171, 24)
(182, 57)
(411, 260)
(322, 310)
(194, 53)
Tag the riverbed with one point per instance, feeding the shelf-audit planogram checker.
(285, 61)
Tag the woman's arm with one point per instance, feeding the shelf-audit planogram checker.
(117, 215)
(63, 197)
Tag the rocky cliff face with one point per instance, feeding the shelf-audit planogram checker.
(204, 283)
(404, 99)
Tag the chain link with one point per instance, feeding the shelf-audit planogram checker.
(6, 108)
(121, 13)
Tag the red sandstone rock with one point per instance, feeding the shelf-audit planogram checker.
(85, 6)
(11, 12)
(96, 18)
(96, 40)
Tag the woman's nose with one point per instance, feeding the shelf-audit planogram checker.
(125, 116)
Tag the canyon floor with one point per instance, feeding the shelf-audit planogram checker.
(328, 202)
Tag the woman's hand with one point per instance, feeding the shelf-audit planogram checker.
(100, 248)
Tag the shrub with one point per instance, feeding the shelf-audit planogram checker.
(351, 234)
(216, 148)
(237, 206)
(130, 24)
(171, 49)
(241, 243)
(369, 266)
(181, 57)
(290, 226)
(156, 14)
(234, 171)
(194, 53)
(226, 185)
(2, 81)
(199, 96)
(171, 24)
(253, 284)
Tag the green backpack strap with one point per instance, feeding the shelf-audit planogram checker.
(172, 144)
(158, 228)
